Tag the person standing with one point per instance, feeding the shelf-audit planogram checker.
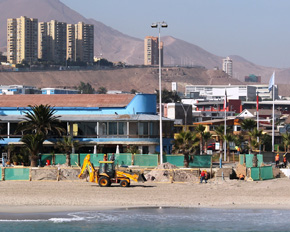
(277, 159)
(203, 176)
(105, 157)
(285, 160)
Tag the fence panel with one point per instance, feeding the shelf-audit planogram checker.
(74, 159)
(201, 161)
(60, 159)
(16, 174)
(177, 160)
(266, 173)
(241, 159)
(44, 158)
(260, 159)
(255, 173)
(146, 160)
(0, 174)
(123, 159)
(249, 160)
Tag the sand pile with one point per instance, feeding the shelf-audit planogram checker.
(167, 172)
(55, 173)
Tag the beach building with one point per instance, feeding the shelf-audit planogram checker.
(50, 91)
(97, 120)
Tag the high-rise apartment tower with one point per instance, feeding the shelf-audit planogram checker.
(22, 40)
(151, 51)
(52, 41)
(228, 66)
(80, 42)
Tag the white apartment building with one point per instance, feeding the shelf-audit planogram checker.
(228, 66)
(217, 92)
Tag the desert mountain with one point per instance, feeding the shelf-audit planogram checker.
(116, 46)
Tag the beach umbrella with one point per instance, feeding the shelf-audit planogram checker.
(95, 149)
(117, 150)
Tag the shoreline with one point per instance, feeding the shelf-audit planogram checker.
(28, 198)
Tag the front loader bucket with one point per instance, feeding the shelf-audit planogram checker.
(141, 178)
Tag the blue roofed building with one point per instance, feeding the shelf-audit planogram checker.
(104, 121)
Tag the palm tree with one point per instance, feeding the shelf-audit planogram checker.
(286, 141)
(253, 138)
(33, 142)
(248, 124)
(206, 136)
(229, 137)
(266, 140)
(185, 143)
(200, 131)
(41, 120)
(66, 145)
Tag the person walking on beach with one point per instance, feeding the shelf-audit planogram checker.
(277, 158)
(203, 176)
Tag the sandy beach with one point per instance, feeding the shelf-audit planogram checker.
(63, 196)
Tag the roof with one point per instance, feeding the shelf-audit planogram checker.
(67, 100)
(92, 118)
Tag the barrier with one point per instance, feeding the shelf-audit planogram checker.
(266, 173)
(201, 161)
(177, 160)
(0, 174)
(241, 159)
(255, 173)
(146, 160)
(16, 174)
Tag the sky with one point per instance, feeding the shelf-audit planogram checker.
(257, 30)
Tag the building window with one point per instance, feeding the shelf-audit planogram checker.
(113, 128)
(122, 128)
(143, 128)
(103, 128)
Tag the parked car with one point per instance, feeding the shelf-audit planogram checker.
(211, 146)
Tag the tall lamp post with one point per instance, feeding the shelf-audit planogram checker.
(159, 25)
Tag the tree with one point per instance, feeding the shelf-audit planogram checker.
(41, 120)
(33, 142)
(186, 142)
(286, 141)
(200, 131)
(206, 136)
(133, 91)
(229, 137)
(253, 138)
(168, 96)
(86, 88)
(102, 90)
(66, 145)
(248, 124)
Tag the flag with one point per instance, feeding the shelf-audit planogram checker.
(272, 81)
(257, 101)
(226, 100)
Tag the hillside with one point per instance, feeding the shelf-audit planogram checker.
(116, 46)
(142, 79)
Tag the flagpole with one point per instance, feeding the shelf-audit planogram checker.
(225, 127)
(273, 117)
(258, 138)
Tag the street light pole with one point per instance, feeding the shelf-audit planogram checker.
(159, 25)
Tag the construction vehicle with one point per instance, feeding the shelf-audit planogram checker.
(107, 174)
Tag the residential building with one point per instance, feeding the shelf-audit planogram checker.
(217, 92)
(22, 40)
(151, 51)
(71, 43)
(84, 42)
(228, 66)
(80, 42)
(52, 41)
(102, 120)
(18, 89)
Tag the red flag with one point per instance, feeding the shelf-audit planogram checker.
(257, 102)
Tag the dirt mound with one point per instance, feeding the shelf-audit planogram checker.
(167, 172)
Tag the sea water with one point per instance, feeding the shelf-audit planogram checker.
(151, 219)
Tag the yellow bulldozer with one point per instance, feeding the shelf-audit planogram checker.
(107, 174)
